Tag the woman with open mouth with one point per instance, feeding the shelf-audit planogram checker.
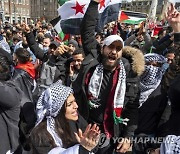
(59, 127)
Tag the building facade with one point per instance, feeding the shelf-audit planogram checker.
(46, 9)
(141, 6)
(15, 10)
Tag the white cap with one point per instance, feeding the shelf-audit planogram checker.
(110, 39)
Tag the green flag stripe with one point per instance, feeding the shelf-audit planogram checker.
(61, 35)
(61, 2)
(133, 21)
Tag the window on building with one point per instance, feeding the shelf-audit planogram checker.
(145, 3)
(27, 12)
(24, 11)
(27, 2)
(20, 1)
(16, 10)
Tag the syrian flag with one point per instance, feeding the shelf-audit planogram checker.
(56, 24)
(61, 2)
(130, 17)
(73, 11)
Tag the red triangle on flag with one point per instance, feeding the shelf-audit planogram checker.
(123, 16)
(66, 37)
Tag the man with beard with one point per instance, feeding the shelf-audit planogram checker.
(75, 65)
(106, 88)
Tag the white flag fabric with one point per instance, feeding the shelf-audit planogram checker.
(72, 13)
(68, 9)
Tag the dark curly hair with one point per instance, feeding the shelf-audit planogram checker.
(23, 55)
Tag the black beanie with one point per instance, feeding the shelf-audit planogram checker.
(74, 43)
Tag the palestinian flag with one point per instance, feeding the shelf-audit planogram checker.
(73, 11)
(130, 17)
(123, 16)
(156, 30)
(56, 24)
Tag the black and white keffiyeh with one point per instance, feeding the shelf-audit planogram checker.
(94, 88)
(171, 145)
(49, 106)
(151, 77)
(96, 81)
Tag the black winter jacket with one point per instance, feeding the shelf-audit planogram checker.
(93, 58)
(23, 80)
(52, 60)
(9, 117)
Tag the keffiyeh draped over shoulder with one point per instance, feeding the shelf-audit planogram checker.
(49, 106)
(171, 145)
(152, 76)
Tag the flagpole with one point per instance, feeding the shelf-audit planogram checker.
(165, 4)
(152, 13)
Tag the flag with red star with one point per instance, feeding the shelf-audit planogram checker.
(78, 8)
(72, 12)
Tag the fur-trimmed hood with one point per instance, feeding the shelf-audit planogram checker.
(135, 57)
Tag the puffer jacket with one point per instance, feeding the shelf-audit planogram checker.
(134, 64)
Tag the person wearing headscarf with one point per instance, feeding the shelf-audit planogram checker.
(58, 126)
(152, 99)
(152, 76)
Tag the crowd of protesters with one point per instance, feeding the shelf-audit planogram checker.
(80, 95)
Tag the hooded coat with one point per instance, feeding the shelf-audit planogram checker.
(133, 62)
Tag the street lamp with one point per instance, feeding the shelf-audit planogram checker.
(14, 11)
(2, 10)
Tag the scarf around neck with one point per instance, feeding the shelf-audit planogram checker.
(94, 88)
(28, 67)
